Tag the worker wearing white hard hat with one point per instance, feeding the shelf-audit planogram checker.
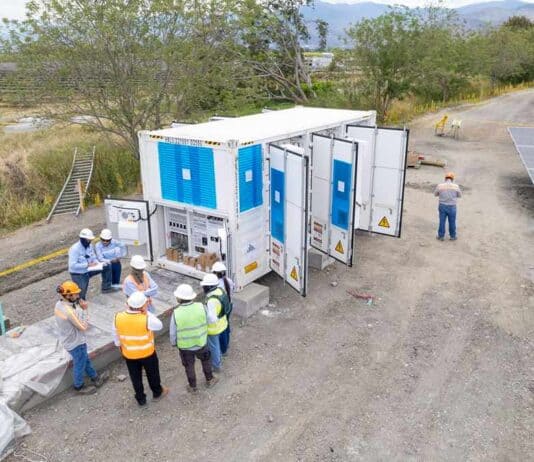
(133, 332)
(216, 300)
(188, 331)
(140, 280)
(226, 284)
(110, 251)
(84, 264)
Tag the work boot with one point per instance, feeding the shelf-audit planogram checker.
(453, 238)
(101, 379)
(110, 290)
(191, 389)
(116, 286)
(85, 390)
(211, 383)
(440, 238)
(164, 392)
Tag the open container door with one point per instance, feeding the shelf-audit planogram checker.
(288, 173)
(129, 221)
(384, 170)
(333, 196)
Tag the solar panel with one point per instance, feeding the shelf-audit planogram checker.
(523, 139)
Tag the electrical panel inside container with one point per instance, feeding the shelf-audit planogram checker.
(205, 233)
(178, 228)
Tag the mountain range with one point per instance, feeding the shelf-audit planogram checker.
(340, 16)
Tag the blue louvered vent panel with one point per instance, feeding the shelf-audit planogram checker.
(341, 193)
(187, 174)
(277, 204)
(250, 177)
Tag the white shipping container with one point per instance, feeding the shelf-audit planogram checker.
(259, 190)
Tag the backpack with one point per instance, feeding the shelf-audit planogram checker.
(226, 304)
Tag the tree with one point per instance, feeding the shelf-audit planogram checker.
(272, 33)
(518, 22)
(127, 64)
(322, 32)
(382, 53)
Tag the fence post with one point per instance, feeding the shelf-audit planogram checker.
(81, 194)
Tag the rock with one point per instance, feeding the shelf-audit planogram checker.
(204, 430)
(272, 305)
(121, 377)
(270, 419)
(130, 420)
(333, 283)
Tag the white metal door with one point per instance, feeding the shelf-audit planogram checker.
(288, 174)
(129, 221)
(383, 167)
(333, 196)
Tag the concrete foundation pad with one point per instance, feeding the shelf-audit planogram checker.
(251, 299)
(318, 260)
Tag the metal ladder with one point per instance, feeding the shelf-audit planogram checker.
(70, 199)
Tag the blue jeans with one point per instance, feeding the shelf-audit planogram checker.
(116, 269)
(224, 338)
(215, 349)
(81, 364)
(447, 212)
(83, 279)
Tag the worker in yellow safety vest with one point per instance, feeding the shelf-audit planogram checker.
(214, 302)
(140, 280)
(188, 330)
(133, 332)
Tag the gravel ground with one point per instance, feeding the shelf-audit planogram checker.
(439, 367)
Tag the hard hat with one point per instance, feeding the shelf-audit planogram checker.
(209, 280)
(106, 235)
(68, 287)
(185, 292)
(86, 233)
(218, 267)
(137, 300)
(138, 262)
(449, 175)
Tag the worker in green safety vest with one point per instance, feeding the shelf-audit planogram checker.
(188, 331)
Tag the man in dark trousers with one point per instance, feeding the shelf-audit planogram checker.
(448, 194)
(133, 332)
(188, 331)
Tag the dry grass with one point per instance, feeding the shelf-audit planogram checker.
(34, 165)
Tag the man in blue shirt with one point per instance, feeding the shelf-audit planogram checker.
(110, 251)
(83, 264)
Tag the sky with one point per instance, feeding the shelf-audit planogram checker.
(14, 9)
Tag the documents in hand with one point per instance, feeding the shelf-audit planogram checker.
(97, 267)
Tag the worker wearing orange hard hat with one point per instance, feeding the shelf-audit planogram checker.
(448, 193)
(72, 322)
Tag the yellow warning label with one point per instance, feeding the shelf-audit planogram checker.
(339, 248)
(384, 222)
(294, 274)
(251, 267)
(136, 242)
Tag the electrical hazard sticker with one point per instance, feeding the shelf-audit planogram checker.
(339, 248)
(384, 223)
(294, 273)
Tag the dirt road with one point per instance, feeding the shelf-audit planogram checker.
(440, 367)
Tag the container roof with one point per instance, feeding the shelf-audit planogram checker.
(265, 126)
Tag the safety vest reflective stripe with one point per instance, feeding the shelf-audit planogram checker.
(222, 323)
(140, 347)
(137, 341)
(135, 337)
(184, 329)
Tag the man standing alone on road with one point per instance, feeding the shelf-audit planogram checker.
(133, 332)
(448, 194)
